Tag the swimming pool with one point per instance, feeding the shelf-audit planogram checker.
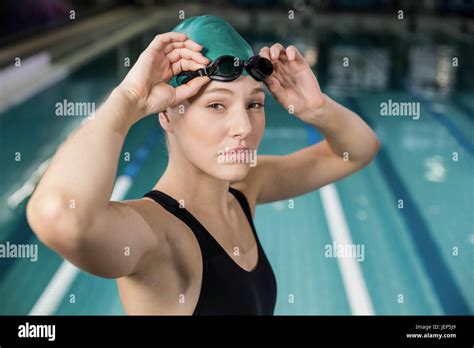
(408, 215)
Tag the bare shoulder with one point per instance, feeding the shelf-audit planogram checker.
(171, 269)
(152, 217)
(176, 243)
(154, 214)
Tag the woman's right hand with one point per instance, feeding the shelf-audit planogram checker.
(146, 84)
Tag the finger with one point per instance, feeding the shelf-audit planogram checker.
(283, 56)
(162, 39)
(185, 65)
(189, 89)
(265, 52)
(279, 93)
(280, 70)
(285, 80)
(275, 51)
(293, 53)
(192, 45)
(275, 87)
(282, 81)
(180, 53)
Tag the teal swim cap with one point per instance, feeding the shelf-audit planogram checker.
(217, 37)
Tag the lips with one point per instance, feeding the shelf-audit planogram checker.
(237, 149)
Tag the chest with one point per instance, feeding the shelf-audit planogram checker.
(234, 238)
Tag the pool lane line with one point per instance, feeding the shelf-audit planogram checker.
(450, 297)
(460, 104)
(444, 120)
(355, 287)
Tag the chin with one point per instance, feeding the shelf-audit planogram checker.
(232, 172)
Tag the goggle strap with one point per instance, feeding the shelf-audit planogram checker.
(204, 71)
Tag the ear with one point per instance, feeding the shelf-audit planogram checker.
(165, 121)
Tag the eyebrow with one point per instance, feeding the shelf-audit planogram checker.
(256, 90)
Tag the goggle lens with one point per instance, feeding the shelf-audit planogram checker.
(227, 67)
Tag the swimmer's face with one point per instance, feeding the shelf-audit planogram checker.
(221, 117)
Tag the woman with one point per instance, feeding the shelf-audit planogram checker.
(189, 246)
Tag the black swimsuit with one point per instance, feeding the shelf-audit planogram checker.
(227, 289)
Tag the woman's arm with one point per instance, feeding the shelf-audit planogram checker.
(349, 142)
(70, 209)
(349, 145)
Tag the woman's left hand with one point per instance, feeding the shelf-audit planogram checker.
(293, 83)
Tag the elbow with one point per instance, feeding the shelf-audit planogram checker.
(373, 149)
(377, 146)
(54, 222)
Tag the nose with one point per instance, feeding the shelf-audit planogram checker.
(241, 125)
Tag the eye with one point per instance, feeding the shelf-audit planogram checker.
(256, 105)
(216, 106)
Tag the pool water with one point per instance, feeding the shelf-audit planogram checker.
(410, 211)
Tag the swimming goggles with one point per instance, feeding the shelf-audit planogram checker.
(229, 68)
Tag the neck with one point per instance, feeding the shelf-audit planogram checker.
(195, 189)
